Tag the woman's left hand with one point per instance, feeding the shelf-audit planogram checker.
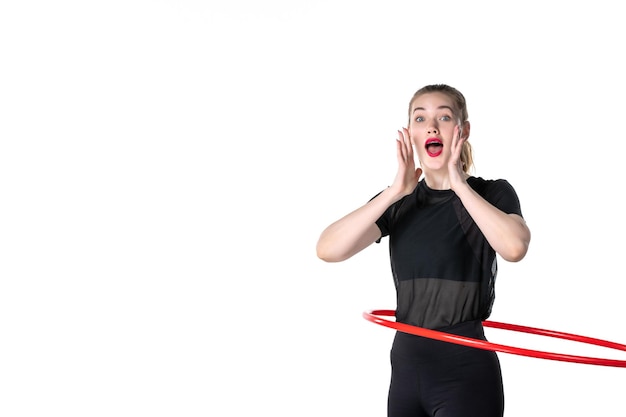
(455, 164)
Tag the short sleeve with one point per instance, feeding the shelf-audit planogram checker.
(383, 221)
(502, 195)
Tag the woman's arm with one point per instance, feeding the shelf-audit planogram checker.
(353, 232)
(357, 230)
(507, 234)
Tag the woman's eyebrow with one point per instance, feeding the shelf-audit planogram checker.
(438, 108)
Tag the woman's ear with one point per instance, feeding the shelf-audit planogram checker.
(466, 129)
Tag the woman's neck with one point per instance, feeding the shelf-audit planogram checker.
(439, 181)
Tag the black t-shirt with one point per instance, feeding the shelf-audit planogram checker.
(443, 268)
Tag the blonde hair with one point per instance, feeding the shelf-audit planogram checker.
(460, 105)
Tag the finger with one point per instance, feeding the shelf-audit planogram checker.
(409, 142)
(407, 151)
(458, 141)
(401, 149)
(399, 152)
(406, 134)
(459, 124)
(400, 142)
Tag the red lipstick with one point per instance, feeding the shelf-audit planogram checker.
(434, 147)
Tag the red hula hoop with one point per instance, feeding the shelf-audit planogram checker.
(372, 316)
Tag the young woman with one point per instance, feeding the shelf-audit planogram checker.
(444, 230)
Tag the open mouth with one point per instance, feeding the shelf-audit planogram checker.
(434, 147)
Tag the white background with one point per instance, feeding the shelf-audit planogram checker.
(166, 168)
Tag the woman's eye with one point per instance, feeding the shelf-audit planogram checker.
(446, 118)
(419, 119)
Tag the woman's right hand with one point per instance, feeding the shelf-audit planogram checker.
(408, 175)
(358, 229)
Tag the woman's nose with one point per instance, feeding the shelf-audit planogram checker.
(433, 131)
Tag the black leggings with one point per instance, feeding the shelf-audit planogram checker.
(439, 379)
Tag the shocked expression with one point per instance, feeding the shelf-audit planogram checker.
(431, 128)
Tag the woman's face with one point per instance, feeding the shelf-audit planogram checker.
(431, 128)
